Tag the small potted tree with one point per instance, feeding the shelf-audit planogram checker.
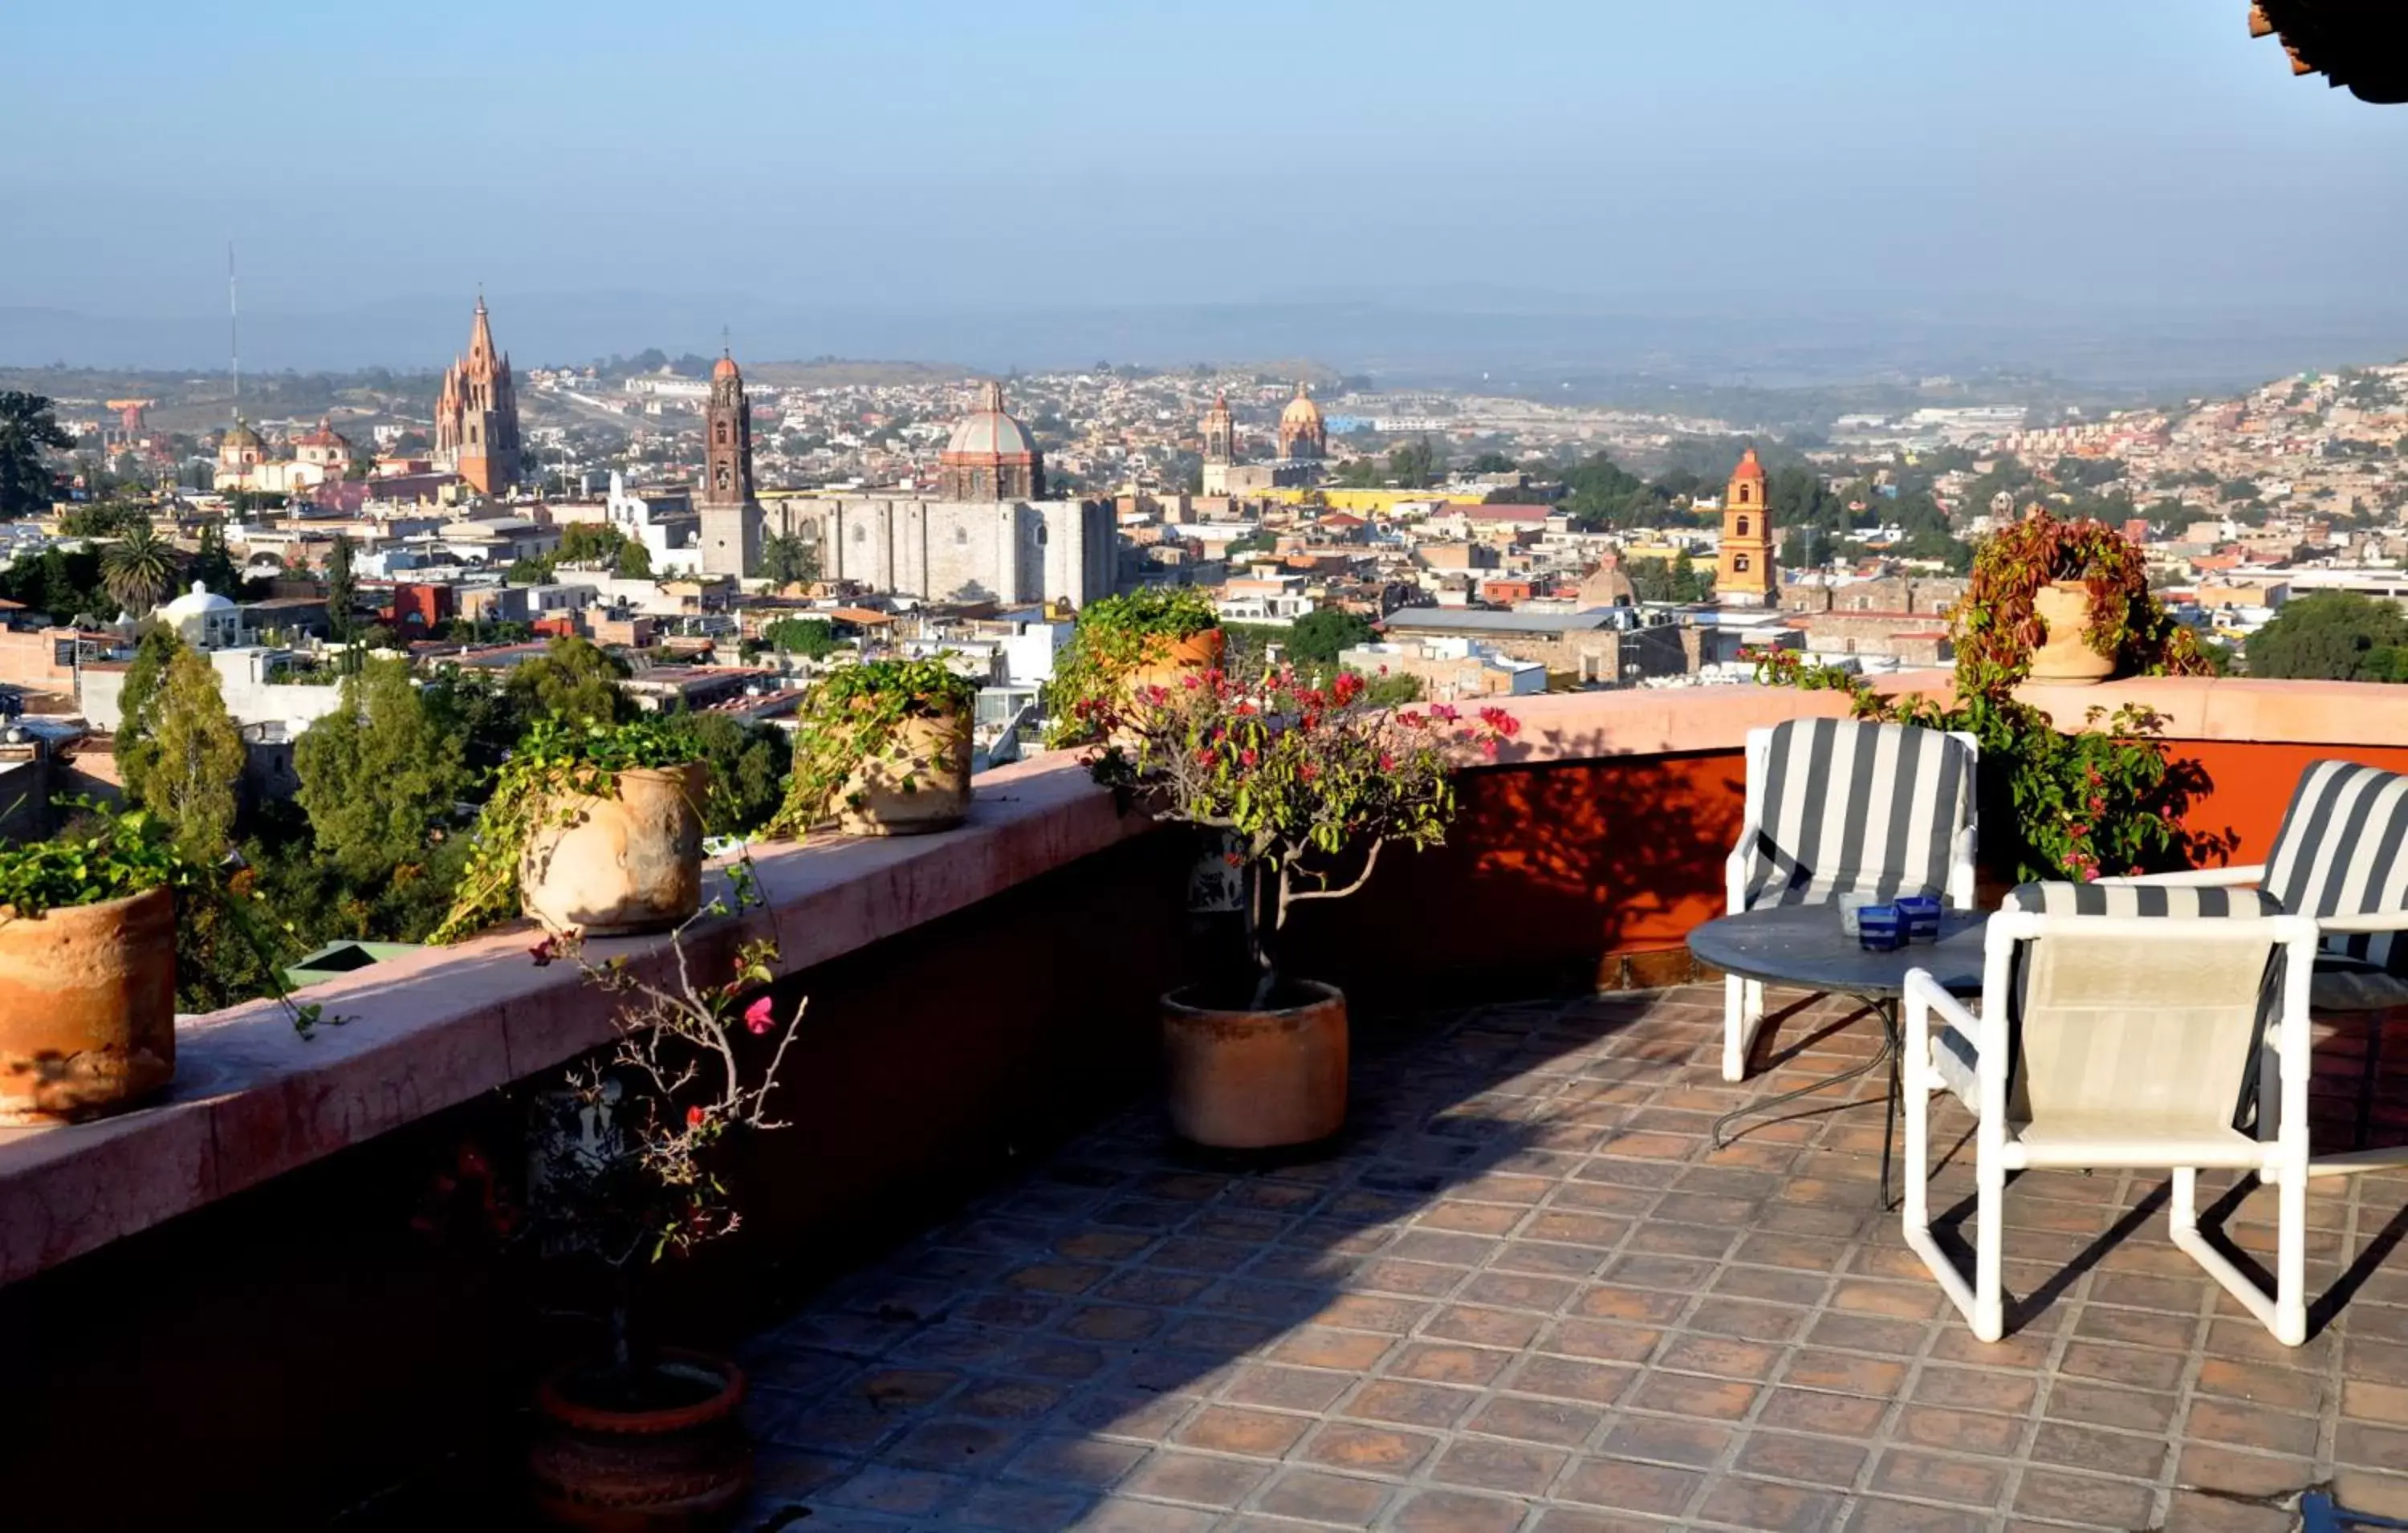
(88, 969)
(1149, 636)
(592, 827)
(1300, 788)
(2064, 603)
(626, 1172)
(882, 749)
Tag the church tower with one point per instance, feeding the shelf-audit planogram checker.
(476, 414)
(1220, 432)
(1744, 575)
(730, 516)
(1303, 434)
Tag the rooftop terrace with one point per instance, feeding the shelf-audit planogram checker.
(1522, 1293)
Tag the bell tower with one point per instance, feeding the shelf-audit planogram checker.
(1744, 575)
(729, 516)
(1220, 432)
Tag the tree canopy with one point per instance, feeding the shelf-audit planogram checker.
(380, 775)
(814, 637)
(29, 430)
(1317, 638)
(195, 773)
(573, 678)
(2333, 636)
(788, 559)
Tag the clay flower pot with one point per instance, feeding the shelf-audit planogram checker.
(921, 782)
(625, 864)
(668, 1453)
(2064, 658)
(1245, 1079)
(1167, 660)
(87, 1008)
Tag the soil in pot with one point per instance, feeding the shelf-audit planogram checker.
(2064, 656)
(87, 1008)
(1246, 1077)
(661, 1449)
(921, 783)
(625, 864)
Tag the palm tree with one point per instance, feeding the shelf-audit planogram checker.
(137, 569)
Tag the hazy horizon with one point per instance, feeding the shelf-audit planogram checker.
(1880, 184)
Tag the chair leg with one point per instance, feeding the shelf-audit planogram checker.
(1742, 1015)
(2285, 1312)
(1989, 1316)
(1915, 1213)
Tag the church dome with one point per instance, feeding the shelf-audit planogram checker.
(199, 601)
(240, 435)
(990, 431)
(1301, 411)
(724, 368)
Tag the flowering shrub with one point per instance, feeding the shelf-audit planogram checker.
(1306, 785)
(687, 1077)
(1115, 636)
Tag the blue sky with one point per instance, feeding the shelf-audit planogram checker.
(914, 152)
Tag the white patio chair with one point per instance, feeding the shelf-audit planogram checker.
(2117, 1028)
(2340, 856)
(1835, 807)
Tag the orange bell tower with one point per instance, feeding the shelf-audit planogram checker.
(1744, 575)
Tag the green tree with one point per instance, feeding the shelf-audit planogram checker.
(1415, 465)
(137, 705)
(1681, 580)
(112, 519)
(28, 431)
(748, 771)
(573, 678)
(342, 593)
(814, 637)
(1317, 638)
(381, 775)
(213, 567)
(634, 563)
(138, 569)
(590, 543)
(789, 559)
(2333, 635)
(194, 780)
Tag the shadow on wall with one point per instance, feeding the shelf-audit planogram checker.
(1550, 874)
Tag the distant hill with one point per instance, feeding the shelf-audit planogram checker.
(837, 373)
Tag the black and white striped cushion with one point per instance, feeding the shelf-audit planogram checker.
(2344, 851)
(1858, 808)
(2150, 899)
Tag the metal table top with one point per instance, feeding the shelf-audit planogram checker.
(1804, 945)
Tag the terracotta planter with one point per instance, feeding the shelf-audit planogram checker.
(1167, 660)
(627, 1470)
(920, 784)
(629, 863)
(1256, 1080)
(87, 1008)
(2065, 658)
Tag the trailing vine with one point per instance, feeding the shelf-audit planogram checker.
(556, 768)
(1115, 635)
(1994, 627)
(857, 715)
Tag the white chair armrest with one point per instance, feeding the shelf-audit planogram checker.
(1961, 867)
(1924, 998)
(1735, 868)
(2196, 878)
(2376, 921)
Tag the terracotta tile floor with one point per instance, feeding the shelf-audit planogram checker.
(1528, 1294)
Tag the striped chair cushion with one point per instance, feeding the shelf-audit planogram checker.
(1857, 808)
(2344, 851)
(1956, 1054)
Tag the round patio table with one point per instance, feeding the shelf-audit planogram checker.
(1802, 946)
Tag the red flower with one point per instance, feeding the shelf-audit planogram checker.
(1346, 687)
(1191, 680)
(1307, 772)
(694, 1116)
(1388, 761)
(1444, 712)
(1206, 757)
(1501, 722)
(1488, 745)
(1410, 720)
(543, 953)
(1245, 711)
(756, 1016)
(1246, 757)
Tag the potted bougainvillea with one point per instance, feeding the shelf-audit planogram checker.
(1299, 790)
(1146, 637)
(2064, 603)
(883, 748)
(627, 1170)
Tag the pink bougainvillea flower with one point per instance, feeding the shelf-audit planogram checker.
(756, 1016)
(543, 953)
(694, 1116)
(1444, 712)
(1191, 680)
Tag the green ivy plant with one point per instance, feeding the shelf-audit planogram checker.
(1994, 627)
(857, 714)
(1116, 635)
(555, 766)
(116, 854)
